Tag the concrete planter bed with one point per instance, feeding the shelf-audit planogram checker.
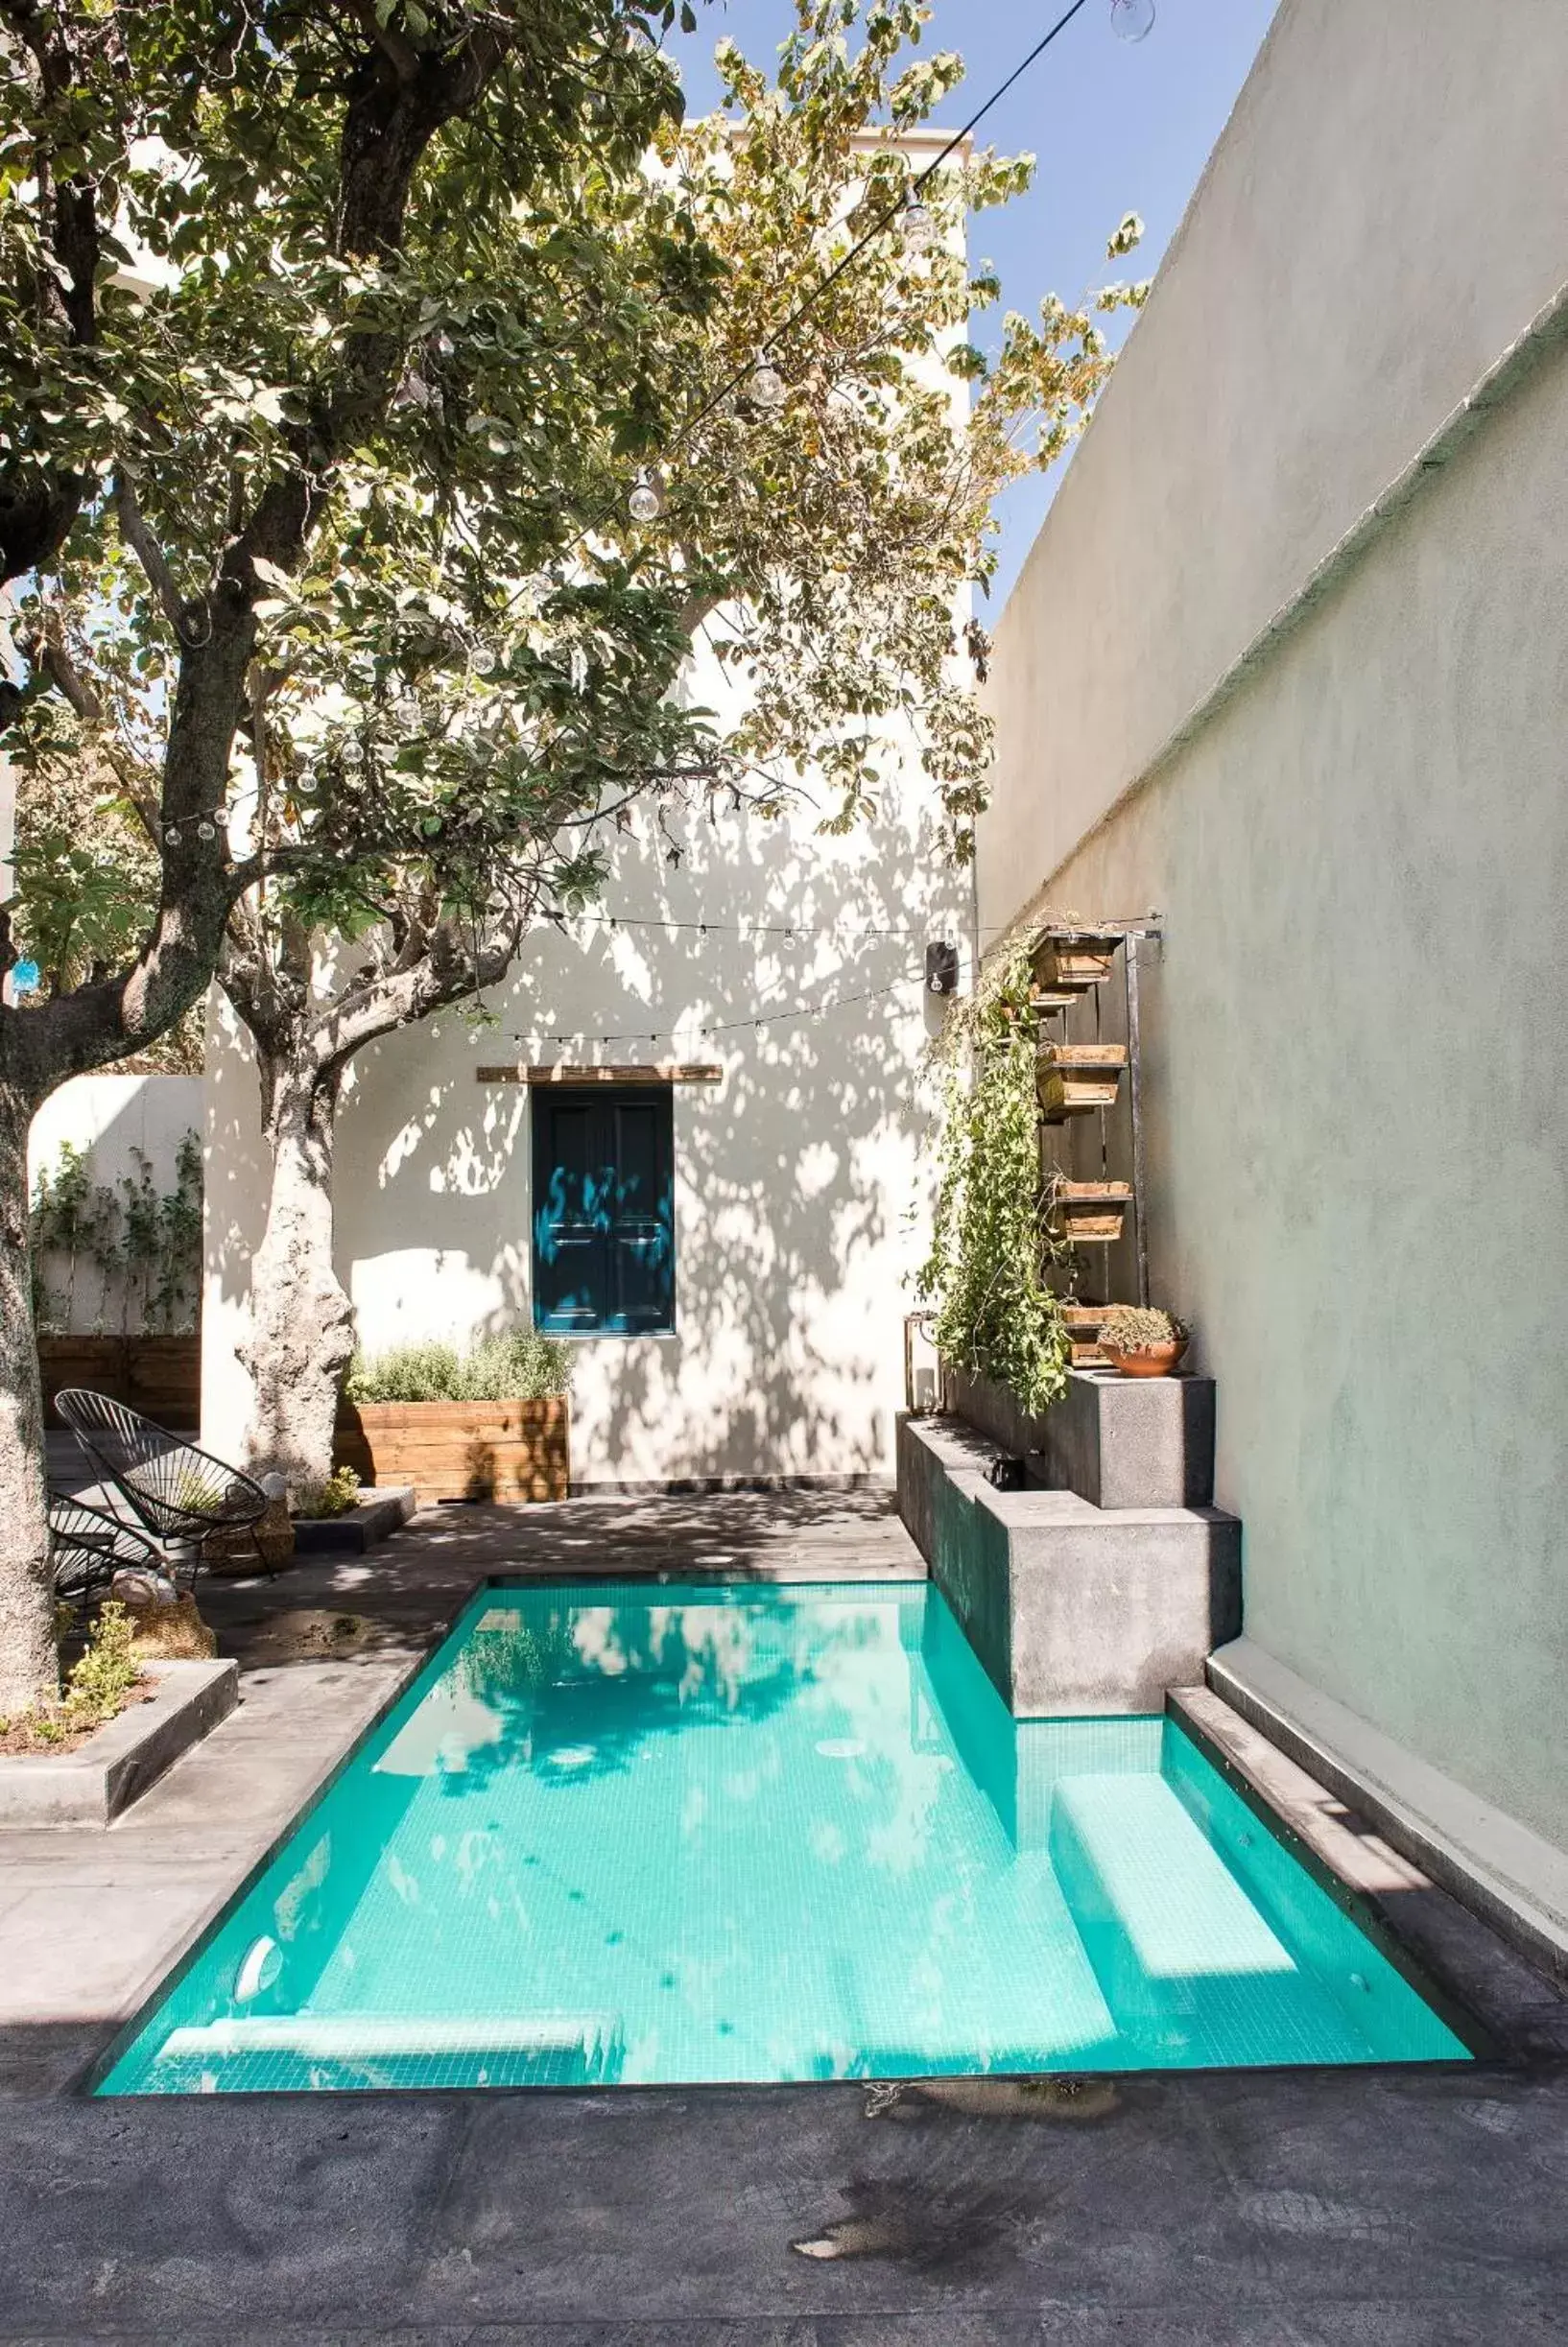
(120, 1760)
(373, 1516)
(460, 1450)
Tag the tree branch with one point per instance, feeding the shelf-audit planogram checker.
(189, 620)
(48, 654)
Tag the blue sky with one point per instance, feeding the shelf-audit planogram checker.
(1116, 127)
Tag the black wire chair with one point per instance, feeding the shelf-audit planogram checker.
(178, 1494)
(89, 1547)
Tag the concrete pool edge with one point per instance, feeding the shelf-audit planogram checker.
(1481, 1982)
(1453, 1960)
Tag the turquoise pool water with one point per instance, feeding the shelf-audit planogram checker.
(622, 1834)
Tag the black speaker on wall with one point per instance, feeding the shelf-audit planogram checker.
(941, 969)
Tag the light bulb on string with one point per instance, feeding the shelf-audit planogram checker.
(646, 502)
(1132, 19)
(920, 228)
(765, 385)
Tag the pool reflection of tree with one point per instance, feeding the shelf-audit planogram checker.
(600, 1681)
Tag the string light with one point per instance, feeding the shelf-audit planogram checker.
(724, 1026)
(920, 228)
(1132, 19)
(767, 385)
(646, 502)
(789, 931)
(878, 228)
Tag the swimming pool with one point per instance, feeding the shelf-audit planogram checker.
(616, 1833)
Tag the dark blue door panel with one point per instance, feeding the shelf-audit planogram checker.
(604, 1210)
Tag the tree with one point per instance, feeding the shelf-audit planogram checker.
(171, 449)
(466, 675)
(824, 526)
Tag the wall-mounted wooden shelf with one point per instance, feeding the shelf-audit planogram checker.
(1091, 1210)
(1075, 1078)
(563, 1072)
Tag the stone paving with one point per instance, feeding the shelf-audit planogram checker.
(1386, 2208)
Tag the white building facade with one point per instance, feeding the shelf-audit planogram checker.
(764, 1003)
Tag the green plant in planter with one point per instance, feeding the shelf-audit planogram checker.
(994, 1315)
(1133, 1328)
(318, 1503)
(520, 1367)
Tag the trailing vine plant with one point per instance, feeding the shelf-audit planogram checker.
(144, 1245)
(984, 1278)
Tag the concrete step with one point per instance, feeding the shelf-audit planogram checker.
(1073, 1610)
(1188, 1967)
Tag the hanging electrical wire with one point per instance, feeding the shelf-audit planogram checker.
(911, 932)
(703, 1030)
(920, 228)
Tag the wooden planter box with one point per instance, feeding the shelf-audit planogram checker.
(1083, 1325)
(1076, 957)
(1091, 1210)
(1073, 1078)
(1084, 1328)
(459, 1450)
(160, 1376)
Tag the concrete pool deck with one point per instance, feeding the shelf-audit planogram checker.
(1411, 2208)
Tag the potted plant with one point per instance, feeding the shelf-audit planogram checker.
(1083, 1330)
(1142, 1342)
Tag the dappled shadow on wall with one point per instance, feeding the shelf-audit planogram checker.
(794, 1177)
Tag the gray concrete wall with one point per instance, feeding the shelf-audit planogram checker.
(1357, 1033)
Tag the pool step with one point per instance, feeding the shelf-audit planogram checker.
(589, 2045)
(1187, 1965)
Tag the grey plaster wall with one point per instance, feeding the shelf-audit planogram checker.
(1357, 1035)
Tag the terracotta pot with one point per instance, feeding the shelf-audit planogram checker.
(1158, 1360)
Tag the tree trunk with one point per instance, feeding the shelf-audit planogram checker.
(29, 1662)
(301, 1322)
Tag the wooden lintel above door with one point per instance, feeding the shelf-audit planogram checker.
(563, 1072)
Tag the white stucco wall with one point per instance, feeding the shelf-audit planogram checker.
(1357, 1035)
(794, 1176)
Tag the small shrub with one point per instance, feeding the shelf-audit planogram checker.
(317, 1502)
(100, 1681)
(522, 1366)
(1131, 1328)
(106, 1672)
